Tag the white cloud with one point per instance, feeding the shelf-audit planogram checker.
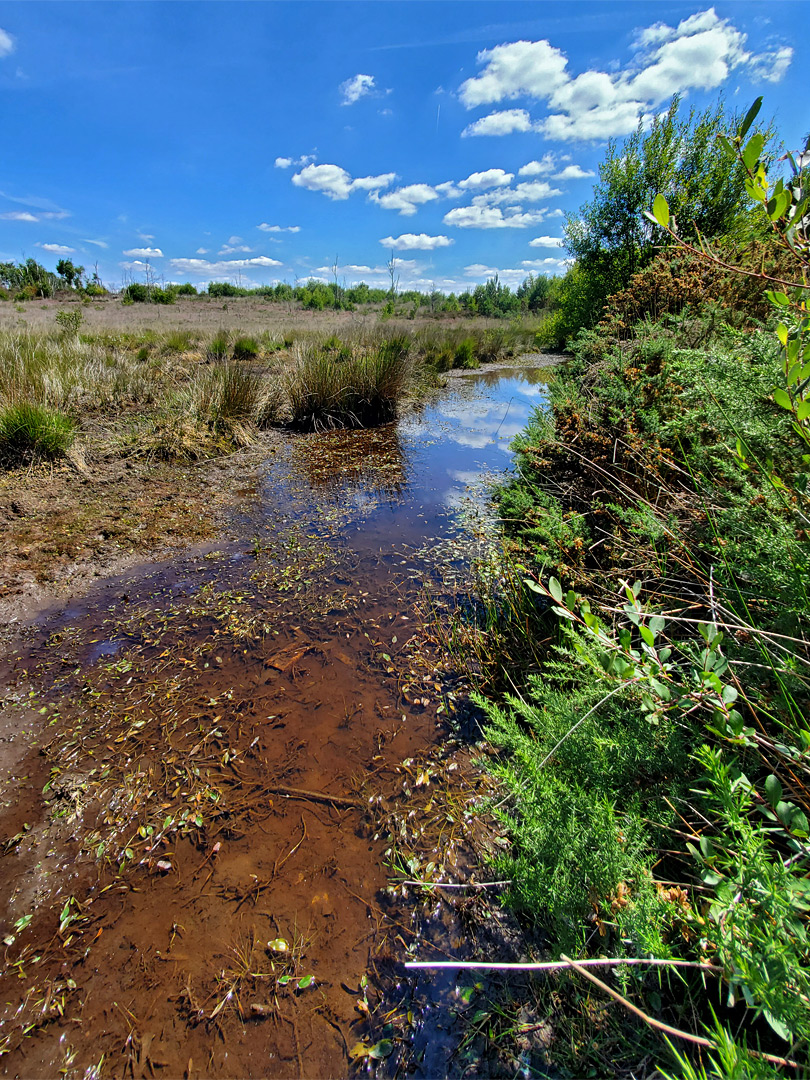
(336, 183)
(541, 264)
(145, 236)
(278, 228)
(26, 215)
(491, 217)
(145, 253)
(202, 251)
(447, 190)
(234, 245)
(416, 242)
(406, 199)
(97, 243)
(771, 66)
(573, 172)
(699, 53)
(6, 43)
(357, 87)
(533, 68)
(489, 178)
(57, 249)
(543, 167)
(527, 191)
(229, 266)
(287, 162)
(546, 241)
(500, 123)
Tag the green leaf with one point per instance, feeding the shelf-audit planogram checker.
(647, 635)
(555, 589)
(750, 117)
(305, 982)
(729, 695)
(383, 1049)
(660, 210)
(753, 149)
(781, 1029)
(777, 298)
(773, 790)
(781, 397)
(657, 624)
(803, 410)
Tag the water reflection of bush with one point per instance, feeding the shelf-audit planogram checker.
(530, 376)
(372, 458)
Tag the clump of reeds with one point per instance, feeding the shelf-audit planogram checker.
(328, 387)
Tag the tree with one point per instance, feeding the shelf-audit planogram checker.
(611, 239)
(72, 274)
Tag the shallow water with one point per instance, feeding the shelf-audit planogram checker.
(226, 742)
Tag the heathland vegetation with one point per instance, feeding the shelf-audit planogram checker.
(642, 660)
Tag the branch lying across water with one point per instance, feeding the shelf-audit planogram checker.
(687, 1036)
(559, 965)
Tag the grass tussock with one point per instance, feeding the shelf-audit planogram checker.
(329, 388)
(29, 431)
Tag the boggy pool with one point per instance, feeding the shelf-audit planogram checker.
(216, 768)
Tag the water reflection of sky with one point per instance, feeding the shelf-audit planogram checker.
(404, 483)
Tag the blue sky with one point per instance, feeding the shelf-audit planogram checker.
(258, 142)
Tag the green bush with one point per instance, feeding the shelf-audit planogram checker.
(136, 292)
(29, 431)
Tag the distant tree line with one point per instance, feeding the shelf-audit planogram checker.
(29, 279)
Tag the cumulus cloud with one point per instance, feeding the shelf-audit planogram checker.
(336, 183)
(288, 162)
(546, 165)
(6, 43)
(573, 172)
(527, 191)
(699, 53)
(505, 122)
(57, 249)
(227, 266)
(492, 217)
(278, 228)
(406, 200)
(234, 245)
(416, 242)
(145, 253)
(489, 178)
(546, 241)
(357, 87)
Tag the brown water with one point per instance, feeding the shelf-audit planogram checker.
(218, 770)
